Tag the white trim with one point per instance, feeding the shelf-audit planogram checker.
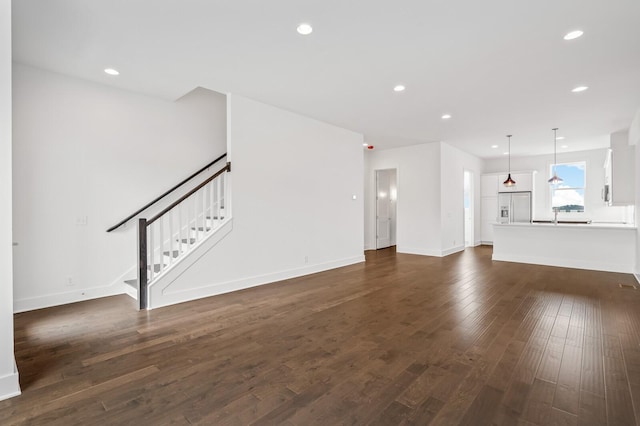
(10, 385)
(116, 287)
(167, 298)
(452, 250)
(435, 253)
(486, 243)
(637, 277)
(564, 263)
(130, 291)
(420, 251)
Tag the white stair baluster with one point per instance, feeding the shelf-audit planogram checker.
(203, 204)
(171, 218)
(218, 206)
(211, 221)
(161, 244)
(151, 228)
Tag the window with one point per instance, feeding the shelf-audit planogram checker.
(568, 196)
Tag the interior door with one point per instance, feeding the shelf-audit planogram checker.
(383, 209)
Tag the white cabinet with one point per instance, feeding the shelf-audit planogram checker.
(623, 173)
(489, 216)
(489, 185)
(488, 206)
(606, 190)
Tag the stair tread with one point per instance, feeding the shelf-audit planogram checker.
(156, 267)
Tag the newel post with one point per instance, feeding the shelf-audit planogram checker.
(142, 263)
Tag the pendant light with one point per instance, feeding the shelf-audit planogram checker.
(555, 180)
(509, 181)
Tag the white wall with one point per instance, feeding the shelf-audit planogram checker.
(87, 150)
(293, 180)
(418, 202)
(634, 139)
(393, 186)
(454, 163)
(595, 209)
(8, 375)
(430, 206)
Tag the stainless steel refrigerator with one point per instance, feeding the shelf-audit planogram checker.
(514, 207)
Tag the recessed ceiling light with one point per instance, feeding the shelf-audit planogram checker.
(505, 153)
(494, 146)
(564, 146)
(580, 89)
(365, 144)
(560, 138)
(304, 29)
(446, 116)
(399, 88)
(573, 35)
(111, 71)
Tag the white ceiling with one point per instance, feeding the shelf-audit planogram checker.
(497, 66)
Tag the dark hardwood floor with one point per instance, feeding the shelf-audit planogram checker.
(401, 339)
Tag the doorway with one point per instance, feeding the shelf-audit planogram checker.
(469, 240)
(386, 196)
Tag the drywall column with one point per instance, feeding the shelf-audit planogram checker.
(9, 385)
(634, 140)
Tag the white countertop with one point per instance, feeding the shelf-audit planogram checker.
(593, 225)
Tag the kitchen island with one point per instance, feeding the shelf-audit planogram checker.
(596, 246)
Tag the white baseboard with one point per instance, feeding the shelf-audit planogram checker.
(452, 250)
(435, 253)
(637, 277)
(131, 292)
(171, 298)
(10, 385)
(420, 251)
(117, 286)
(486, 243)
(564, 263)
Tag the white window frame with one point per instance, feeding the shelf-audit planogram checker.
(583, 188)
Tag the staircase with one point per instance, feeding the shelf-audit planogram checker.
(167, 239)
(184, 243)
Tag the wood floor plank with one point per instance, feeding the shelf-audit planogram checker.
(618, 397)
(568, 387)
(400, 339)
(592, 410)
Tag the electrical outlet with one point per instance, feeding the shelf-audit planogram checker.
(82, 221)
(306, 259)
(70, 282)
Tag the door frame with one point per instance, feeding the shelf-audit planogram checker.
(472, 212)
(393, 216)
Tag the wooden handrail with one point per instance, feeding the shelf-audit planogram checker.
(188, 194)
(131, 216)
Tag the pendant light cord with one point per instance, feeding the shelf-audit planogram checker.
(555, 150)
(509, 136)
